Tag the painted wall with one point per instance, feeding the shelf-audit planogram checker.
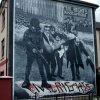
(80, 21)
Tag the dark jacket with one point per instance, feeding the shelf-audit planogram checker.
(32, 39)
(74, 52)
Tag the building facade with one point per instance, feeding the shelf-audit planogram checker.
(35, 10)
(43, 11)
(98, 42)
(5, 80)
(98, 56)
(4, 7)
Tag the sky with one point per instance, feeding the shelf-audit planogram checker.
(97, 11)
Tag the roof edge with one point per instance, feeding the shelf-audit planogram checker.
(78, 2)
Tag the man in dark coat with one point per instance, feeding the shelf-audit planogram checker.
(75, 49)
(33, 42)
(73, 54)
(48, 51)
(57, 37)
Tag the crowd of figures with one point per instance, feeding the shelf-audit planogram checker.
(49, 47)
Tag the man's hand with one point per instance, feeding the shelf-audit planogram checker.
(34, 50)
(88, 57)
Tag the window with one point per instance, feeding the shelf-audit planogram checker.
(2, 73)
(3, 19)
(2, 47)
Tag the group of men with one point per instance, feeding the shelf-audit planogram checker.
(48, 48)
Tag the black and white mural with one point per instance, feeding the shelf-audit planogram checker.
(53, 48)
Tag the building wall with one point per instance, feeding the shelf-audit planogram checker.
(3, 35)
(98, 46)
(6, 88)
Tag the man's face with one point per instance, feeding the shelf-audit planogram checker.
(52, 31)
(46, 30)
(58, 38)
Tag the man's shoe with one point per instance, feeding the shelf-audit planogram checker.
(25, 84)
(73, 79)
(51, 79)
(45, 85)
(60, 76)
(78, 77)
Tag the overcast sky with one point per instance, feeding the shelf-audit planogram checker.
(97, 11)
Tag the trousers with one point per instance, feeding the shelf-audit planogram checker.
(41, 65)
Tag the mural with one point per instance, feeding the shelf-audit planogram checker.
(53, 48)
